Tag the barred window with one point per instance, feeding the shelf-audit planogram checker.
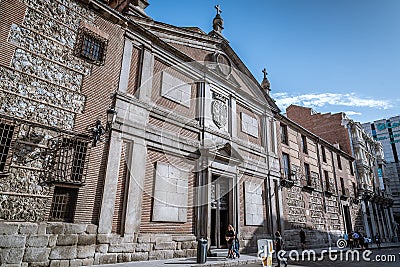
(71, 161)
(91, 46)
(63, 204)
(286, 166)
(6, 135)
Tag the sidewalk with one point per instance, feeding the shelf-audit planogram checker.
(189, 262)
(221, 261)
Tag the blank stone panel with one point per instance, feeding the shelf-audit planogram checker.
(249, 125)
(175, 89)
(170, 194)
(254, 203)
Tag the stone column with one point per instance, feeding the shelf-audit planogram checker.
(381, 226)
(146, 80)
(384, 222)
(126, 67)
(373, 221)
(389, 223)
(137, 170)
(365, 218)
(110, 184)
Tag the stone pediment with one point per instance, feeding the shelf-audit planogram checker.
(222, 152)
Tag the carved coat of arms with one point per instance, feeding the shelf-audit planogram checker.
(219, 113)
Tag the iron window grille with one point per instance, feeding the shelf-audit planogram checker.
(63, 204)
(286, 166)
(6, 139)
(70, 161)
(91, 46)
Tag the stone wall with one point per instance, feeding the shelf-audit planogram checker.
(62, 244)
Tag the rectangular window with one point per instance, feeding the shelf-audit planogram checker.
(327, 183)
(6, 135)
(304, 144)
(343, 187)
(323, 152)
(286, 166)
(307, 173)
(284, 134)
(351, 167)
(339, 162)
(354, 189)
(63, 204)
(71, 161)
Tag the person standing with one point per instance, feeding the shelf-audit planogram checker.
(378, 240)
(302, 239)
(279, 247)
(230, 240)
(351, 241)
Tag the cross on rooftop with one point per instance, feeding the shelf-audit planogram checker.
(265, 73)
(218, 8)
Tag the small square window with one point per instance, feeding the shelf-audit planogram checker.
(91, 46)
(63, 204)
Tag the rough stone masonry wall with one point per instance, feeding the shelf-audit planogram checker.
(41, 84)
(64, 244)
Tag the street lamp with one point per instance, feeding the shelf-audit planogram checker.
(99, 130)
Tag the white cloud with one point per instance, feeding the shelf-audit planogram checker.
(352, 113)
(283, 100)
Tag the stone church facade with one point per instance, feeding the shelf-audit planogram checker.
(191, 148)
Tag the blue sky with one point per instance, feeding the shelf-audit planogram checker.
(332, 55)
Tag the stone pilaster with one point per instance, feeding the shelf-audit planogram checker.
(110, 184)
(137, 170)
(233, 118)
(146, 80)
(126, 66)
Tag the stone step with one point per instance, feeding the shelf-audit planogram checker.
(220, 252)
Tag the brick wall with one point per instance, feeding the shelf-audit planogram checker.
(327, 126)
(147, 225)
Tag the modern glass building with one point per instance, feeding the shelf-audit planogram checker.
(387, 131)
